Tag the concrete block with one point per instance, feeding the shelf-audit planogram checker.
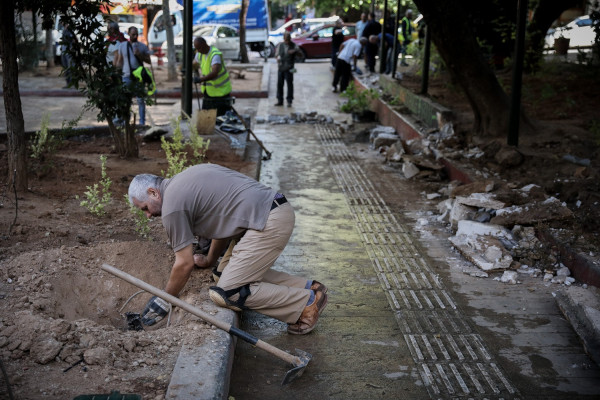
(481, 200)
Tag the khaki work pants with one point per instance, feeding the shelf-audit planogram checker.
(249, 261)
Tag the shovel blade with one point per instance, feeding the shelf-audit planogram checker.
(296, 372)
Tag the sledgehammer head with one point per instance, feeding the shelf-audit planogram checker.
(299, 364)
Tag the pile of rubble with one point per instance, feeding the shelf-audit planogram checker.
(492, 221)
(311, 117)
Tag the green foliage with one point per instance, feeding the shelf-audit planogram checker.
(43, 142)
(359, 101)
(97, 199)
(98, 79)
(198, 145)
(177, 150)
(140, 220)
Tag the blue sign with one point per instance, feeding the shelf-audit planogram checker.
(228, 12)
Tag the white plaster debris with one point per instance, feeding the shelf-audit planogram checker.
(409, 169)
(509, 277)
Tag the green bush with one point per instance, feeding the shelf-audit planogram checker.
(359, 101)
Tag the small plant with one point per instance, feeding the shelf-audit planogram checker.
(358, 101)
(177, 150)
(174, 151)
(97, 199)
(42, 142)
(198, 145)
(140, 220)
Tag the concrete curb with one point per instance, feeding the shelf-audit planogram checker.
(581, 308)
(202, 371)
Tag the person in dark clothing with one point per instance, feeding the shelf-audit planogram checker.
(389, 43)
(336, 40)
(373, 28)
(286, 54)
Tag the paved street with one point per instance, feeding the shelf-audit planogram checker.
(403, 320)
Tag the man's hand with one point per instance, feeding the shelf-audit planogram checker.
(197, 79)
(201, 261)
(155, 310)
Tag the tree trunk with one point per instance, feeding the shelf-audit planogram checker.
(15, 126)
(172, 64)
(49, 49)
(546, 12)
(243, 51)
(456, 43)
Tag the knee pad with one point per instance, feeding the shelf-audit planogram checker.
(220, 297)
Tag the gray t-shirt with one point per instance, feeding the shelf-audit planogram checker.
(212, 201)
(124, 50)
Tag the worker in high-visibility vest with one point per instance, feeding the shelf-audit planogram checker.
(405, 34)
(216, 85)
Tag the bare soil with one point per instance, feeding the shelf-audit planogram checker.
(63, 332)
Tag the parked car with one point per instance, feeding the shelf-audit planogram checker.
(276, 36)
(225, 37)
(580, 32)
(317, 43)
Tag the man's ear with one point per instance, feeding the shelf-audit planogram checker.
(153, 192)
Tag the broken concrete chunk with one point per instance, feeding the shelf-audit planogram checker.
(475, 229)
(481, 200)
(381, 130)
(472, 249)
(385, 139)
(509, 277)
(461, 212)
(547, 210)
(409, 170)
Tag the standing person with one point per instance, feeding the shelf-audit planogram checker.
(114, 38)
(406, 34)
(68, 43)
(215, 81)
(286, 54)
(346, 62)
(360, 25)
(287, 19)
(212, 201)
(130, 56)
(391, 58)
(373, 28)
(337, 39)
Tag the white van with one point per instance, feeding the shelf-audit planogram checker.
(157, 34)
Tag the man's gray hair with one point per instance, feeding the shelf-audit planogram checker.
(138, 188)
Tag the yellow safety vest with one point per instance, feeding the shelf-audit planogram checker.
(221, 85)
(408, 28)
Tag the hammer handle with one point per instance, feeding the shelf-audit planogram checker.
(232, 330)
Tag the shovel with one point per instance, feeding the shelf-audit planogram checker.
(298, 362)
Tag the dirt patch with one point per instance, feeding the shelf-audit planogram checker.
(59, 307)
